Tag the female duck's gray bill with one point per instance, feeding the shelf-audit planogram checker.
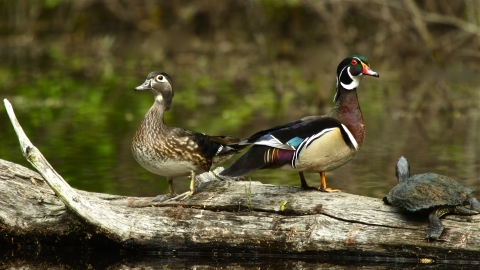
(147, 85)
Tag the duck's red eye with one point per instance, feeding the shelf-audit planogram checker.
(354, 62)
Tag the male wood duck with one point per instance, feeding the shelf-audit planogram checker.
(314, 143)
(174, 152)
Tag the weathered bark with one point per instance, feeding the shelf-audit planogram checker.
(223, 216)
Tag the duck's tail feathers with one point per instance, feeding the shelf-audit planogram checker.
(256, 158)
(228, 142)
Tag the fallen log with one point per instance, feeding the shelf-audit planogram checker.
(224, 216)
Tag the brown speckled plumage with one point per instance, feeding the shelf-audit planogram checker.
(170, 151)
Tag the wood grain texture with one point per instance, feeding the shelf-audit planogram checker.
(225, 216)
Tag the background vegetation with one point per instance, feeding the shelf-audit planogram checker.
(69, 68)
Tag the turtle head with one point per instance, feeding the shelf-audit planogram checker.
(402, 170)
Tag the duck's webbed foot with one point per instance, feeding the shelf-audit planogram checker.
(181, 197)
(171, 193)
(187, 194)
(165, 197)
(330, 190)
(304, 184)
(323, 184)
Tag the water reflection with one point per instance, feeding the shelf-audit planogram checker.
(92, 149)
(95, 259)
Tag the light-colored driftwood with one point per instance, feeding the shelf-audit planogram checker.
(223, 216)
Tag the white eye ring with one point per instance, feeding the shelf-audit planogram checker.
(160, 78)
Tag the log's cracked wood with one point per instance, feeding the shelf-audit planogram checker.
(224, 215)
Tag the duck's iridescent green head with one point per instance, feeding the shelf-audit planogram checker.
(351, 70)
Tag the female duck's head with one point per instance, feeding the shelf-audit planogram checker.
(160, 84)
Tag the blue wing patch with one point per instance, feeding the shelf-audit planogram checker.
(295, 142)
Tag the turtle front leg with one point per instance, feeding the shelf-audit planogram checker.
(474, 204)
(435, 229)
(462, 210)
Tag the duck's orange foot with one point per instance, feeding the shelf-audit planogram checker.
(330, 190)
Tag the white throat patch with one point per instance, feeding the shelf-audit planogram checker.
(355, 80)
(159, 98)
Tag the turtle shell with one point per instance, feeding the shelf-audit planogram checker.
(424, 191)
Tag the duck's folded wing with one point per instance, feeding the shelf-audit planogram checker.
(290, 137)
(282, 147)
(205, 145)
(255, 137)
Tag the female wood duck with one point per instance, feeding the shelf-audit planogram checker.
(174, 152)
(314, 143)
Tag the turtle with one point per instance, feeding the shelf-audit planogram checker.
(432, 194)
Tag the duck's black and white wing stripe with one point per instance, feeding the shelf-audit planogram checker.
(299, 136)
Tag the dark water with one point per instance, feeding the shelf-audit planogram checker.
(95, 259)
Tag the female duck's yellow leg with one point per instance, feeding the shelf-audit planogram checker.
(171, 192)
(323, 184)
(189, 193)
